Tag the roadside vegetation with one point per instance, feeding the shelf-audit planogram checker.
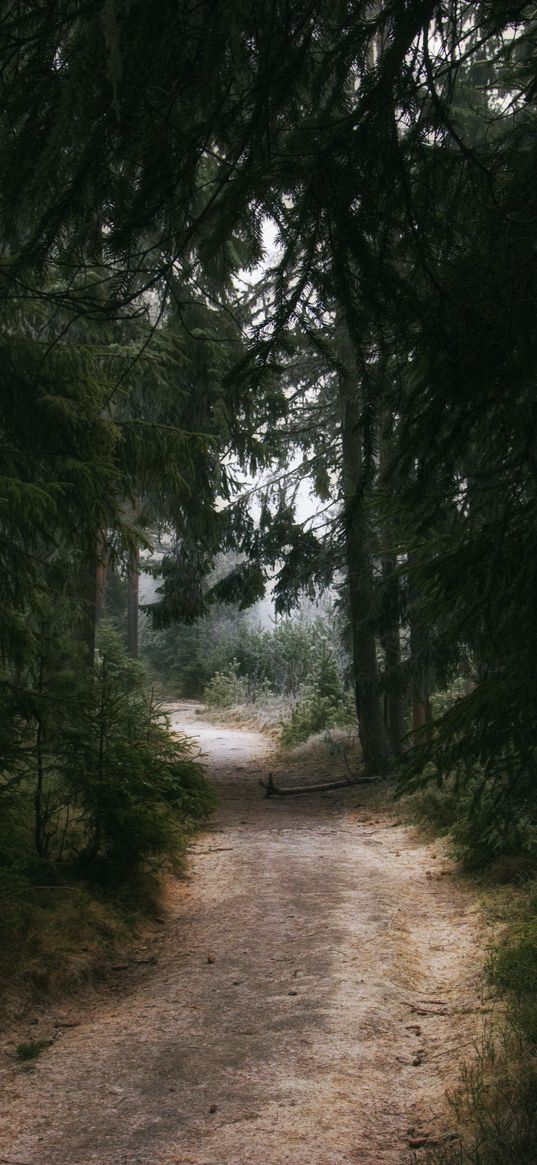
(100, 800)
(291, 679)
(493, 1107)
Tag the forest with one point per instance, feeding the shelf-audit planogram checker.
(268, 337)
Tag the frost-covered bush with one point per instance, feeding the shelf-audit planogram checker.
(324, 702)
(226, 688)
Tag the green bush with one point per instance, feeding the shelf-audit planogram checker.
(495, 1104)
(99, 795)
(324, 703)
(226, 688)
(133, 789)
(436, 805)
(278, 660)
(100, 779)
(488, 829)
(314, 714)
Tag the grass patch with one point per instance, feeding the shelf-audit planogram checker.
(32, 1050)
(433, 807)
(62, 925)
(494, 1107)
(56, 936)
(495, 1103)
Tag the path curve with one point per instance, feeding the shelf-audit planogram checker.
(314, 990)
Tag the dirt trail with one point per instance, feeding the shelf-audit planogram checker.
(315, 986)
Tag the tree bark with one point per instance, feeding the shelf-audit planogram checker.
(429, 719)
(394, 710)
(394, 714)
(376, 748)
(422, 680)
(418, 720)
(92, 587)
(101, 578)
(40, 838)
(133, 601)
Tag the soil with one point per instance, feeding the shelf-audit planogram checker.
(314, 988)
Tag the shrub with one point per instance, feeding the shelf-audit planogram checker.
(100, 777)
(131, 788)
(118, 794)
(514, 971)
(277, 660)
(436, 805)
(488, 829)
(226, 688)
(324, 704)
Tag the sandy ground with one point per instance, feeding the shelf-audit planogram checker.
(317, 983)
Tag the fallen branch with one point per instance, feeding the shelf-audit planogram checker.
(273, 790)
(221, 849)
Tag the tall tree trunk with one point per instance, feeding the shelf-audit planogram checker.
(40, 836)
(418, 717)
(429, 719)
(132, 511)
(133, 601)
(394, 709)
(377, 752)
(101, 577)
(422, 678)
(92, 586)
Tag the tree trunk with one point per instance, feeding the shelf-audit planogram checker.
(133, 600)
(40, 838)
(101, 577)
(429, 720)
(418, 720)
(377, 752)
(93, 582)
(394, 714)
(92, 597)
(422, 679)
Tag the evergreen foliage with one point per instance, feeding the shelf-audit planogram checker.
(323, 704)
(280, 658)
(109, 784)
(389, 350)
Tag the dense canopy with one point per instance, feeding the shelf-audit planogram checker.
(150, 350)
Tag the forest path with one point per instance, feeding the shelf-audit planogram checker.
(317, 982)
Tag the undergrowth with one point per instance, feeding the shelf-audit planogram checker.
(485, 834)
(103, 801)
(494, 1106)
(56, 932)
(321, 702)
(495, 1102)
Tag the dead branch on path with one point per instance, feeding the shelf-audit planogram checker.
(273, 790)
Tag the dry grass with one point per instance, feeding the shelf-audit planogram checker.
(59, 937)
(495, 1102)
